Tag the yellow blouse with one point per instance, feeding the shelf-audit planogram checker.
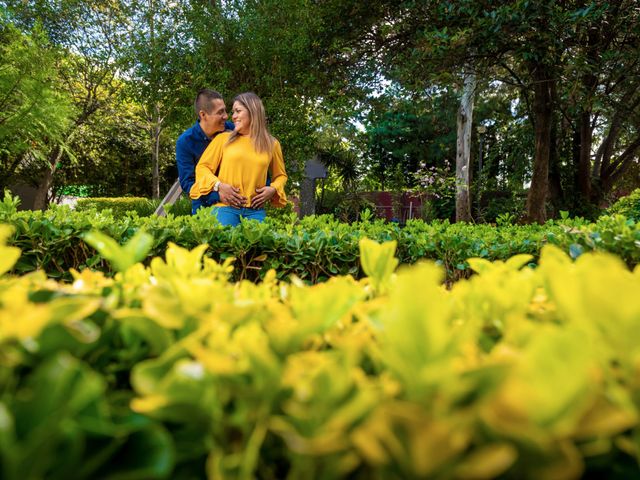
(240, 166)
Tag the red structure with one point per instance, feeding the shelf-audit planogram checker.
(396, 206)
(392, 206)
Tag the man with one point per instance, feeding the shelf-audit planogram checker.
(211, 115)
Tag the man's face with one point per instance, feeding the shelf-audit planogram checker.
(213, 122)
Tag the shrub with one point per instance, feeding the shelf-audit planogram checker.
(313, 248)
(173, 371)
(284, 214)
(119, 206)
(83, 191)
(346, 206)
(628, 206)
(495, 204)
(180, 208)
(145, 207)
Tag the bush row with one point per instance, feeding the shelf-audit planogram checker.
(629, 206)
(120, 206)
(144, 207)
(313, 249)
(172, 371)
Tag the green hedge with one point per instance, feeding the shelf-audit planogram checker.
(170, 371)
(314, 248)
(121, 206)
(628, 206)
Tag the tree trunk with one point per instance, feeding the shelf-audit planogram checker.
(575, 156)
(125, 187)
(156, 118)
(41, 200)
(620, 166)
(605, 164)
(584, 164)
(556, 192)
(590, 85)
(156, 130)
(307, 197)
(543, 115)
(463, 149)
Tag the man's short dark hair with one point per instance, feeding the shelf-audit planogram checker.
(204, 101)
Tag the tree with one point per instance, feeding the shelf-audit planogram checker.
(603, 96)
(406, 134)
(33, 109)
(463, 151)
(292, 54)
(530, 44)
(455, 34)
(111, 153)
(159, 61)
(83, 38)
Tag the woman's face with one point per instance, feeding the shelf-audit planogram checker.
(241, 118)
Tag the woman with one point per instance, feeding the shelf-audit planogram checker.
(241, 159)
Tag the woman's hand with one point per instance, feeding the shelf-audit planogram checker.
(264, 194)
(231, 195)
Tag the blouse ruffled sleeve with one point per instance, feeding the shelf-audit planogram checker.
(278, 176)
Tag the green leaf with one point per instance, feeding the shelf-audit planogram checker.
(378, 261)
(8, 255)
(120, 258)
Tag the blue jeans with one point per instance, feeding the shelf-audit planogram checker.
(232, 216)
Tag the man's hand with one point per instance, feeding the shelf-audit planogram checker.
(231, 195)
(264, 194)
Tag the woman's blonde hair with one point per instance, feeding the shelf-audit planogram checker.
(262, 139)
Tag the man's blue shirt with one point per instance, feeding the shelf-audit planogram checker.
(189, 148)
